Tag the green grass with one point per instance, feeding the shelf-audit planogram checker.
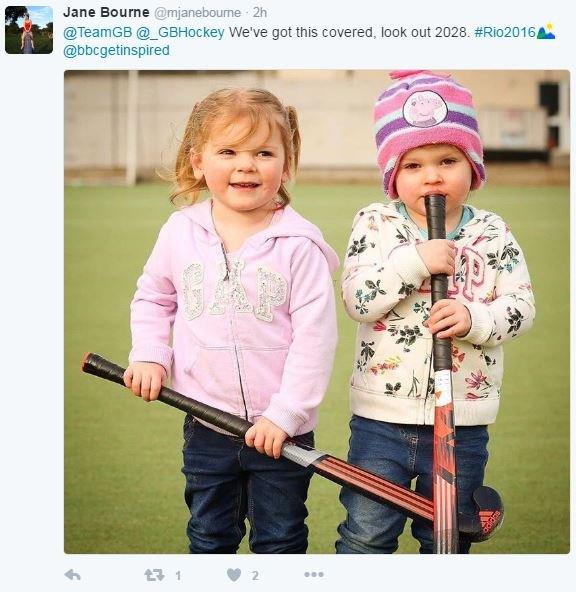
(123, 486)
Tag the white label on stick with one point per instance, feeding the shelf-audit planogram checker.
(299, 455)
(443, 387)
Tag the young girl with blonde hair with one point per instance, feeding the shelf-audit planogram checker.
(244, 285)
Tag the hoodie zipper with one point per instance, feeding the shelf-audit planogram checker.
(227, 279)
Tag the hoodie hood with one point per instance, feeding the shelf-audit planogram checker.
(285, 223)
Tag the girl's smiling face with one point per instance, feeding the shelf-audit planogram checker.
(243, 170)
(434, 169)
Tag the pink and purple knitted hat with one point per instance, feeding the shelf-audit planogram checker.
(424, 107)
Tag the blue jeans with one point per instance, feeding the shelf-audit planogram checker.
(227, 482)
(401, 453)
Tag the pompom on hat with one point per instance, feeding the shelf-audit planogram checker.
(423, 107)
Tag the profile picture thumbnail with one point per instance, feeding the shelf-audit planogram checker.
(28, 29)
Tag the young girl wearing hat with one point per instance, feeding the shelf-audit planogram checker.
(428, 143)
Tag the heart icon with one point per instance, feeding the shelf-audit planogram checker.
(234, 574)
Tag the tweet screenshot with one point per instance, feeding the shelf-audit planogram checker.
(293, 291)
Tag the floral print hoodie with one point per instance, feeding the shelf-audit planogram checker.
(386, 288)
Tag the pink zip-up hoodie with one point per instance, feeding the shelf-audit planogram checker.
(254, 331)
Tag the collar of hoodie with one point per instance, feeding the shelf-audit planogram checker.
(285, 223)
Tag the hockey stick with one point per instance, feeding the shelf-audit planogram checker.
(444, 455)
(478, 527)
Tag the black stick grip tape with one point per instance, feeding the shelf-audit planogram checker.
(436, 220)
(103, 368)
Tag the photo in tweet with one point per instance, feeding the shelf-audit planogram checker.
(237, 301)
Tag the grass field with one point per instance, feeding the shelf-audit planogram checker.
(123, 486)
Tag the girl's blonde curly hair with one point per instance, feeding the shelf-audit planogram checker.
(223, 107)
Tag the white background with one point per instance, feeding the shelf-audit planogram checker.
(32, 300)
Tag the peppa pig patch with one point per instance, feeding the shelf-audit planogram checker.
(425, 109)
